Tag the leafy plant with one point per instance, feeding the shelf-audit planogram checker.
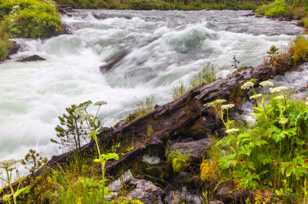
(75, 126)
(272, 154)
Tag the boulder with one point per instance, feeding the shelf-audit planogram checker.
(112, 61)
(32, 58)
(183, 196)
(195, 149)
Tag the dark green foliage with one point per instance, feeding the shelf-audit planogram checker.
(30, 18)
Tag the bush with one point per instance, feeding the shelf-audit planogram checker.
(305, 22)
(148, 5)
(274, 9)
(299, 50)
(31, 18)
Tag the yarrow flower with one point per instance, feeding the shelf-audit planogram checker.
(255, 97)
(279, 89)
(8, 164)
(247, 85)
(227, 106)
(267, 84)
(232, 130)
(216, 102)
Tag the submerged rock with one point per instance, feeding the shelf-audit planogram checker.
(32, 58)
(112, 61)
(141, 189)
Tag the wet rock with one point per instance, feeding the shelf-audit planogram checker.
(194, 149)
(14, 48)
(178, 197)
(141, 189)
(228, 193)
(112, 61)
(151, 159)
(32, 58)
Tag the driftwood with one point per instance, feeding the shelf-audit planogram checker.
(186, 114)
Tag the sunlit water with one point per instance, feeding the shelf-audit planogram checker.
(164, 48)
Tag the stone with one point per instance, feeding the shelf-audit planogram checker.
(32, 58)
(195, 149)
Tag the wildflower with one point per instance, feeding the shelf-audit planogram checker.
(279, 89)
(267, 84)
(232, 130)
(208, 170)
(247, 85)
(255, 97)
(8, 164)
(100, 103)
(227, 106)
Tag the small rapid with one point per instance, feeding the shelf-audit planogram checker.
(161, 48)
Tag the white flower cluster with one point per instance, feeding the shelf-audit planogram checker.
(266, 84)
(279, 89)
(247, 85)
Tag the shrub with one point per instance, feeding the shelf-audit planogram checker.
(31, 18)
(272, 154)
(274, 9)
(148, 5)
(5, 44)
(299, 50)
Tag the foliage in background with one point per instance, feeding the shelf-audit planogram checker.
(299, 50)
(159, 4)
(30, 18)
(5, 44)
(274, 9)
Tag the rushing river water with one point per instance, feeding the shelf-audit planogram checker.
(162, 48)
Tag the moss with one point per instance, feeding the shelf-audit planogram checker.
(274, 9)
(178, 160)
(31, 18)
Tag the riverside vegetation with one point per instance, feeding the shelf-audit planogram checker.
(267, 160)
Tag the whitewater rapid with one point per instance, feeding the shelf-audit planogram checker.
(163, 48)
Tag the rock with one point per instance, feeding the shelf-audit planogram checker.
(179, 197)
(151, 159)
(112, 61)
(32, 58)
(140, 189)
(194, 149)
(228, 193)
(14, 48)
